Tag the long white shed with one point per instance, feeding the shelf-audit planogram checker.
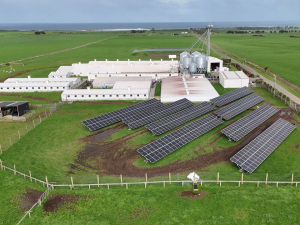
(34, 87)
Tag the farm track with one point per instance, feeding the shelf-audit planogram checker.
(106, 157)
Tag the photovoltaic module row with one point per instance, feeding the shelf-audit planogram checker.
(244, 126)
(253, 154)
(117, 116)
(239, 106)
(175, 140)
(231, 96)
(168, 123)
(136, 121)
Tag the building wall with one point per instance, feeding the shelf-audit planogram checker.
(234, 83)
(93, 97)
(155, 76)
(32, 89)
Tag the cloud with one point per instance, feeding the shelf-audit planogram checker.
(179, 2)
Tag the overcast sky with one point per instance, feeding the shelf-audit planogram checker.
(114, 11)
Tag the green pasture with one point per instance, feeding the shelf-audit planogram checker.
(11, 189)
(276, 51)
(162, 205)
(50, 148)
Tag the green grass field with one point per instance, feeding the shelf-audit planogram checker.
(51, 148)
(276, 51)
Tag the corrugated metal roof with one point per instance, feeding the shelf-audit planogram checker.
(233, 75)
(62, 84)
(34, 80)
(7, 104)
(104, 91)
(133, 85)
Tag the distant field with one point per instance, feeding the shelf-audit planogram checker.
(276, 51)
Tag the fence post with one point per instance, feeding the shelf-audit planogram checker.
(33, 123)
(267, 178)
(1, 163)
(292, 178)
(218, 177)
(242, 178)
(47, 181)
(164, 183)
(30, 176)
(121, 177)
(169, 178)
(15, 171)
(10, 141)
(98, 180)
(19, 134)
(146, 177)
(72, 182)
(40, 202)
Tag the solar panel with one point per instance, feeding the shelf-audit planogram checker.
(253, 154)
(175, 140)
(239, 106)
(231, 96)
(116, 116)
(244, 126)
(161, 126)
(135, 121)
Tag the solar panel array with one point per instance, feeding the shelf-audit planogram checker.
(253, 154)
(117, 116)
(161, 126)
(244, 126)
(175, 140)
(135, 121)
(239, 106)
(231, 96)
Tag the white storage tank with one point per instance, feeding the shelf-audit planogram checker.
(186, 61)
(193, 68)
(182, 55)
(201, 61)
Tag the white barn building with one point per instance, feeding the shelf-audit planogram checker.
(35, 87)
(233, 79)
(74, 81)
(107, 82)
(62, 72)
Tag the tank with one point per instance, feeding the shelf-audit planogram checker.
(201, 62)
(182, 55)
(193, 68)
(186, 61)
(194, 56)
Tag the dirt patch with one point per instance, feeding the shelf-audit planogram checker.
(31, 97)
(26, 71)
(190, 194)
(115, 157)
(297, 146)
(56, 201)
(141, 212)
(28, 199)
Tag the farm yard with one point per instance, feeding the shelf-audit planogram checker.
(61, 147)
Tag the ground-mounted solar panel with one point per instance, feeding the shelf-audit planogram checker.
(117, 115)
(168, 123)
(231, 96)
(244, 126)
(175, 140)
(136, 121)
(253, 154)
(239, 106)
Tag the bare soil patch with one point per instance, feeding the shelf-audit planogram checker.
(190, 194)
(141, 212)
(118, 157)
(56, 201)
(28, 199)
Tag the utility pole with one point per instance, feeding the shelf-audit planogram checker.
(274, 84)
(209, 27)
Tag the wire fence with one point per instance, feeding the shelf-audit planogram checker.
(35, 118)
(146, 179)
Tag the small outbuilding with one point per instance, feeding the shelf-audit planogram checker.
(233, 79)
(13, 108)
